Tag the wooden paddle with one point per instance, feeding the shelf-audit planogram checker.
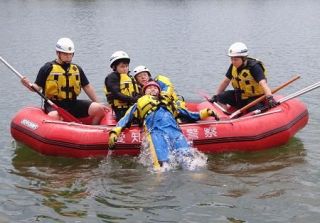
(64, 114)
(263, 97)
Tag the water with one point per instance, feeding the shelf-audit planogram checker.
(187, 41)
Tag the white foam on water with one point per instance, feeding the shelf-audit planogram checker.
(185, 158)
(188, 159)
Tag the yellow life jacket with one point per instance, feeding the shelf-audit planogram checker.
(245, 81)
(148, 103)
(170, 90)
(128, 87)
(62, 85)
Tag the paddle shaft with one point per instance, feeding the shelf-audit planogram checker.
(263, 97)
(294, 95)
(17, 73)
(205, 96)
(300, 92)
(66, 115)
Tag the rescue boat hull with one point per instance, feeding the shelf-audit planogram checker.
(252, 132)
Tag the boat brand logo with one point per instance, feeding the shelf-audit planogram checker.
(29, 124)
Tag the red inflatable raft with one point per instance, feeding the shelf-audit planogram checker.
(251, 132)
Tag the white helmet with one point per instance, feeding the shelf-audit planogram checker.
(118, 55)
(65, 45)
(238, 49)
(140, 69)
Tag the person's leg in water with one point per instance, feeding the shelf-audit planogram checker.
(161, 146)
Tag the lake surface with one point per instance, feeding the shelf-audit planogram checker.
(187, 41)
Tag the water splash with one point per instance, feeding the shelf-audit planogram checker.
(185, 158)
(145, 157)
(188, 159)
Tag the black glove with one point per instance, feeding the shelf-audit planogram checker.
(214, 99)
(271, 102)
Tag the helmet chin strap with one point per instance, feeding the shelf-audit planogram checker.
(244, 60)
(60, 60)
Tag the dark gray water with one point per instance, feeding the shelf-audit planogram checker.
(186, 40)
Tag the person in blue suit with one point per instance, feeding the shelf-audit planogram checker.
(143, 75)
(159, 121)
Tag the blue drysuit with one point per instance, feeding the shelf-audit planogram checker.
(165, 132)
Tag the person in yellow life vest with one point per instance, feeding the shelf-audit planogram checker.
(158, 116)
(61, 81)
(248, 78)
(120, 87)
(143, 75)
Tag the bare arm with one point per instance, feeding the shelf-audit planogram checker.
(25, 81)
(266, 89)
(90, 92)
(223, 85)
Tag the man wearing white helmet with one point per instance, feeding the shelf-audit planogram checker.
(61, 81)
(120, 87)
(247, 76)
